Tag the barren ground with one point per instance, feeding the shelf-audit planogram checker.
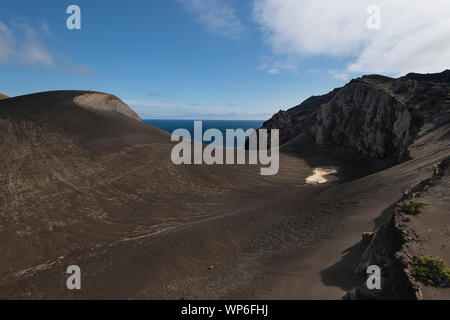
(96, 189)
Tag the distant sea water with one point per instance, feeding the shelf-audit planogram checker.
(222, 125)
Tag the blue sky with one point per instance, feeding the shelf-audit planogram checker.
(222, 59)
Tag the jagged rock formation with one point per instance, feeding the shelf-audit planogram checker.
(373, 116)
(395, 247)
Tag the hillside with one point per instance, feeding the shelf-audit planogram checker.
(374, 116)
(83, 181)
(2, 96)
(80, 173)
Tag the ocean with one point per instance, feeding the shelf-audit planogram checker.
(222, 125)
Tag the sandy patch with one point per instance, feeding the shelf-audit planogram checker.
(320, 175)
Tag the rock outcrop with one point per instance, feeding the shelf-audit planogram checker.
(395, 247)
(373, 116)
(105, 102)
(366, 120)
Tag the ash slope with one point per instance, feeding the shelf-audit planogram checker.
(398, 243)
(95, 187)
(82, 177)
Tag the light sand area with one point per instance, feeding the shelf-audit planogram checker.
(320, 175)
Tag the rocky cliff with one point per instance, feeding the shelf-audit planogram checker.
(373, 116)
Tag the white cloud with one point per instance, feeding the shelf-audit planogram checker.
(21, 45)
(209, 115)
(273, 66)
(6, 43)
(24, 51)
(149, 109)
(146, 103)
(414, 34)
(218, 17)
(339, 75)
